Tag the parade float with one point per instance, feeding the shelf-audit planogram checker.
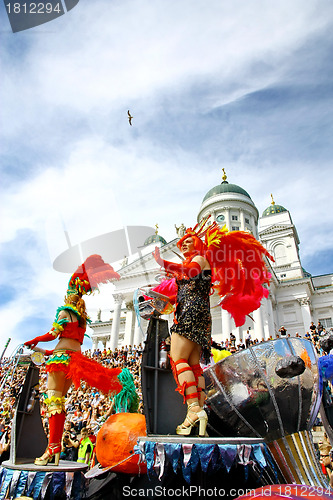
(262, 403)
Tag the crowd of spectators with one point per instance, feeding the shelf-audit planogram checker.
(86, 408)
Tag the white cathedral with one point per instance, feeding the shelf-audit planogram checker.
(295, 297)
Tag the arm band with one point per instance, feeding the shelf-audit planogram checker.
(191, 270)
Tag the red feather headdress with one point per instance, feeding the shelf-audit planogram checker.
(90, 274)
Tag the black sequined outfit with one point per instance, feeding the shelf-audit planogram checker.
(193, 319)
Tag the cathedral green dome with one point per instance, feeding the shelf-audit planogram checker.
(154, 238)
(273, 209)
(225, 187)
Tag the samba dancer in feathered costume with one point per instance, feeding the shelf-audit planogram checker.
(231, 262)
(66, 364)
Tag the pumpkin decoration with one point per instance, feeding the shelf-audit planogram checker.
(116, 440)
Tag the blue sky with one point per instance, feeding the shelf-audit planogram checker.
(242, 85)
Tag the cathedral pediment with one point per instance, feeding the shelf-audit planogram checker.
(276, 228)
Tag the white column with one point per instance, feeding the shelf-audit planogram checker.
(254, 226)
(264, 312)
(242, 220)
(305, 302)
(270, 313)
(258, 324)
(139, 332)
(129, 323)
(226, 325)
(118, 299)
(237, 333)
(227, 218)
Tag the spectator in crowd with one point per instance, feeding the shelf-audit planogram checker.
(241, 344)
(312, 327)
(282, 331)
(70, 443)
(325, 449)
(5, 445)
(247, 338)
(85, 448)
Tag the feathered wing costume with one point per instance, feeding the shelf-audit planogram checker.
(236, 258)
(239, 272)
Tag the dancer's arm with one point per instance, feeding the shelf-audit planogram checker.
(190, 269)
(51, 335)
(56, 329)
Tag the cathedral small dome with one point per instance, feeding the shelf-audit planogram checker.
(155, 238)
(273, 209)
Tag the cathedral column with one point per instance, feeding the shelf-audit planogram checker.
(226, 325)
(95, 344)
(265, 316)
(258, 324)
(118, 299)
(129, 324)
(138, 332)
(238, 334)
(254, 225)
(242, 220)
(270, 314)
(305, 302)
(227, 218)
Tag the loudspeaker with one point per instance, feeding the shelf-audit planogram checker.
(28, 439)
(163, 406)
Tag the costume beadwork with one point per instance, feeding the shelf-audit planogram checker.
(192, 317)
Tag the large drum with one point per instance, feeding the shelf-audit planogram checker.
(249, 396)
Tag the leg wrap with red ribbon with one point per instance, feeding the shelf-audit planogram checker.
(55, 403)
(190, 382)
(198, 374)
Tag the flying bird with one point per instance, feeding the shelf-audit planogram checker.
(129, 117)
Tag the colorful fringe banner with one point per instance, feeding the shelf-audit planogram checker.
(187, 457)
(36, 484)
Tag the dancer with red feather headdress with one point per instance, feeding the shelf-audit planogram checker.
(66, 364)
(233, 264)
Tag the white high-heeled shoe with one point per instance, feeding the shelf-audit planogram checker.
(202, 419)
(52, 452)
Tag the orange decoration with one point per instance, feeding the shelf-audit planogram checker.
(306, 358)
(116, 440)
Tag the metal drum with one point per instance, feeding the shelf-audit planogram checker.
(247, 397)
